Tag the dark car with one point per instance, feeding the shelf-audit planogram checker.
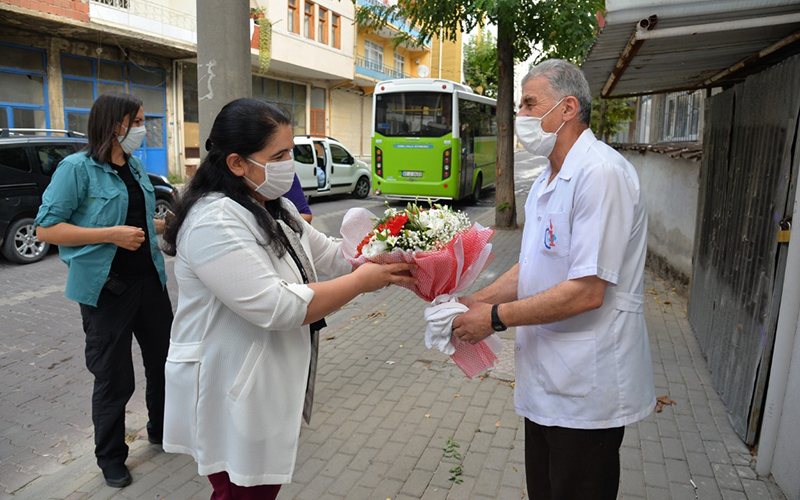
(26, 164)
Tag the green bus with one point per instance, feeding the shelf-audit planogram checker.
(432, 139)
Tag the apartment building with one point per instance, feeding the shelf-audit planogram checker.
(57, 56)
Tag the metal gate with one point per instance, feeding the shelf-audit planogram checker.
(747, 187)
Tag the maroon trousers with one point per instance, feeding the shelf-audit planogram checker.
(224, 489)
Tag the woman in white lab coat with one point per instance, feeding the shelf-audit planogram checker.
(240, 369)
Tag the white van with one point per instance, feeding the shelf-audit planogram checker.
(324, 167)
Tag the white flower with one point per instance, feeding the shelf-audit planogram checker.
(374, 248)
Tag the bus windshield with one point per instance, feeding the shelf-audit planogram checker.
(414, 114)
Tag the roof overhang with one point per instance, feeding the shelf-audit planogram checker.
(650, 46)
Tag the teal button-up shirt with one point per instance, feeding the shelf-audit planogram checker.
(86, 193)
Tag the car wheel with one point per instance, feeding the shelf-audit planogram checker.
(362, 188)
(21, 245)
(476, 193)
(162, 207)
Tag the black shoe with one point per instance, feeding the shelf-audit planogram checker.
(117, 475)
(154, 439)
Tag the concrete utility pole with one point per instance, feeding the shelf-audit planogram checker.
(223, 58)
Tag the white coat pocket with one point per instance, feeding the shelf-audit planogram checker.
(181, 395)
(567, 362)
(554, 235)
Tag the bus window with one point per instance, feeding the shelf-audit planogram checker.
(414, 114)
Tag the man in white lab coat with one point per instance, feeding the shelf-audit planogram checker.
(583, 368)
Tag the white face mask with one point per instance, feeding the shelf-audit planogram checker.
(535, 140)
(278, 178)
(134, 140)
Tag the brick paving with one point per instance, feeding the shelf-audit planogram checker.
(385, 410)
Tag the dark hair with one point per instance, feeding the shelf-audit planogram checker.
(108, 111)
(243, 127)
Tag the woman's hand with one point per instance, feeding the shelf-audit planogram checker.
(376, 276)
(160, 224)
(127, 237)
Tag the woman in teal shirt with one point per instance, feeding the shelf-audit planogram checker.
(99, 210)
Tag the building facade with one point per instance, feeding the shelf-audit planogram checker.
(57, 57)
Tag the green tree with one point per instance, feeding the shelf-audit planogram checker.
(480, 64)
(554, 28)
(610, 115)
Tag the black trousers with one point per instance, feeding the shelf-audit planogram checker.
(144, 310)
(572, 464)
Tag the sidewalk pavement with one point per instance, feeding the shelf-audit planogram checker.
(386, 408)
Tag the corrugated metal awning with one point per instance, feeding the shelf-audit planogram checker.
(649, 46)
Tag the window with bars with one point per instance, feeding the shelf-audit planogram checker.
(682, 117)
(308, 23)
(118, 4)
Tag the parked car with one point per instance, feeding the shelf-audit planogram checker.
(324, 167)
(27, 163)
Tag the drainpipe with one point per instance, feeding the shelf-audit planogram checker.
(757, 22)
(782, 353)
(178, 146)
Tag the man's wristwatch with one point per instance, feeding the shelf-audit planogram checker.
(497, 325)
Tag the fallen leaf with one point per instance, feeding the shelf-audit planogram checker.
(376, 314)
(661, 402)
(401, 345)
(667, 303)
(427, 415)
(497, 424)
(515, 469)
(457, 396)
(331, 337)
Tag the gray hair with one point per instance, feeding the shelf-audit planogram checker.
(565, 80)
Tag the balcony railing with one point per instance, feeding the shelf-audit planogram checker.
(375, 67)
(154, 11)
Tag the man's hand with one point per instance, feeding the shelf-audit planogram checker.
(467, 300)
(475, 324)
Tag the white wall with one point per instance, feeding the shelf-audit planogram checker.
(786, 461)
(670, 186)
(351, 121)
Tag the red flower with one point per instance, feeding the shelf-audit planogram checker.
(394, 225)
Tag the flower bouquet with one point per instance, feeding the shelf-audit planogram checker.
(449, 251)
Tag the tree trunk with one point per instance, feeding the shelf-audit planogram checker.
(601, 129)
(505, 202)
